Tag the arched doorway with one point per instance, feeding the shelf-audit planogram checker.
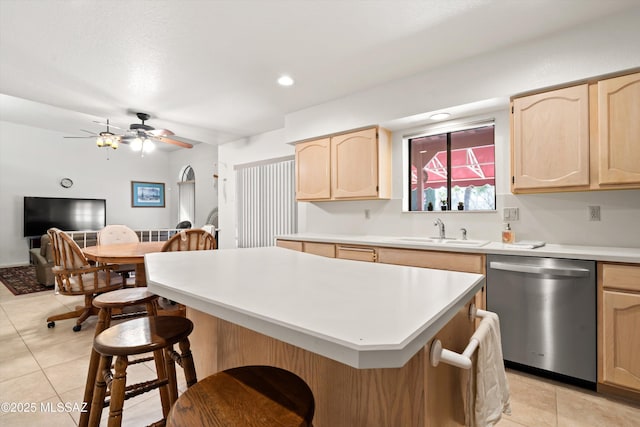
(187, 195)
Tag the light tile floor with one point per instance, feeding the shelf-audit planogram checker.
(47, 367)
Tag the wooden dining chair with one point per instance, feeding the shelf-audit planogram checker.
(75, 276)
(114, 234)
(195, 239)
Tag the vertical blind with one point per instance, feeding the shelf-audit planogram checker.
(266, 202)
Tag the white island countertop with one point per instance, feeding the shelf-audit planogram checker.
(365, 315)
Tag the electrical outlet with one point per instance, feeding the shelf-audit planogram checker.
(367, 214)
(594, 213)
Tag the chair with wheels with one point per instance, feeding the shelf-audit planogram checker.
(75, 276)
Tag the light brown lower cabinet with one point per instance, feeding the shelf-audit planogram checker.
(619, 331)
(356, 253)
(468, 263)
(289, 244)
(322, 249)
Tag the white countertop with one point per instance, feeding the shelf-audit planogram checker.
(596, 253)
(366, 315)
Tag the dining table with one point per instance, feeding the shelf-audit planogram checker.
(124, 253)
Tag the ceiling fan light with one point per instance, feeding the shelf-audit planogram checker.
(148, 146)
(100, 141)
(115, 143)
(136, 144)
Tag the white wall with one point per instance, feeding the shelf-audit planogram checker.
(592, 50)
(32, 162)
(608, 46)
(268, 145)
(202, 158)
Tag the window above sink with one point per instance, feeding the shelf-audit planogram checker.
(452, 168)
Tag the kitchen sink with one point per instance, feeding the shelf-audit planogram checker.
(470, 243)
(438, 241)
(415, 239)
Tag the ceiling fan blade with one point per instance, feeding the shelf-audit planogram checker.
(89, 132)
(173, 142)
(84, 137)
(160, 132)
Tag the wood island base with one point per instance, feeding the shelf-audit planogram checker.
(415, 395)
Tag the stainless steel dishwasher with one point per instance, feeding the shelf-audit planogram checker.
(547, 310)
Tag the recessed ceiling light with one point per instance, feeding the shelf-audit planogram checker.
(285, 81)
(440, 116)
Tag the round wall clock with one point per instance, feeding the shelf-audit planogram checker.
(66, 182)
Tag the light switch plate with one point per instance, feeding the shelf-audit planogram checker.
(511, 214)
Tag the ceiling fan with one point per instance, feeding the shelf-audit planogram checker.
(142, 131)
(137, 135)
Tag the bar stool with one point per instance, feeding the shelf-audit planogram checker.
(108, 303)
(247, 396)
(138, 336)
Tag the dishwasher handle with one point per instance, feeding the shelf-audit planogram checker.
(533, 269)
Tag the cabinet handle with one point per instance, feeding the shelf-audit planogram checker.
(522, 268)
(357, 249)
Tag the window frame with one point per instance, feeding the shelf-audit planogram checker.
(440, 129)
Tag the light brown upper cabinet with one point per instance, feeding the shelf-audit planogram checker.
(619, 125)
(313, 173)
(355, 165)
(582, 137)
(551, 139)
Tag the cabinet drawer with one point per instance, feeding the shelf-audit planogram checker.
(290, 244)
(322, 249)
(625, 277)
(468, 263)
(356, 253)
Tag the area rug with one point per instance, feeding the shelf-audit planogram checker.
(21, 280)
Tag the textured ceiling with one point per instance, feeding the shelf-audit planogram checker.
(207, 69)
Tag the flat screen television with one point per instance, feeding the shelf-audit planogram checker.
(42, 213)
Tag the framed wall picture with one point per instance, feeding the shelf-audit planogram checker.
(147, 194)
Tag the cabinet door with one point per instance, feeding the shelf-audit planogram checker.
(619, 129)
(289, 244)
(313, 178)
(323, 249)
(354, 165)
(469, 263)
(621, 339)
(356, 253)
(551, 139)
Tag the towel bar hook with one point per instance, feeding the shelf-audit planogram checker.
(439, 354)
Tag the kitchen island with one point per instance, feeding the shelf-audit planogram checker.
(355, 332)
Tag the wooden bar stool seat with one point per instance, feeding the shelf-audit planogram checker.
(247, 396)
(111, 306)
(138, 336)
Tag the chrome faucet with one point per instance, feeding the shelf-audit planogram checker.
(438, 223)
(464, 233)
